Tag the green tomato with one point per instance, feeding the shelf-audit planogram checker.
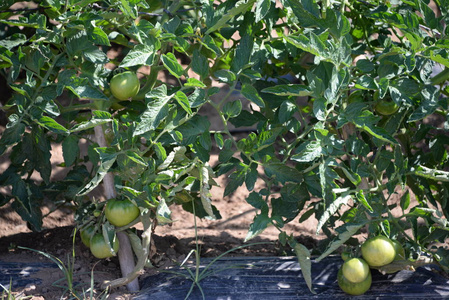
(125, 85)
(378, 251)
(384, 106)
(356, 96)
(400, 253)
(353, 288)
(86, 234)
(355, 270)
(99, 247)
(345, 255)
(121, 212)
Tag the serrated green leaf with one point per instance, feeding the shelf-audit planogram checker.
(256, 200)
(98, 36)
(378, 132)
(304, 258)
(183, 101)
(308, 151)
(405, 200)
(225, 76)
(262, 8)
(346, 232)
(243, 54)
(331, 210)
(132, 155)
(173, 66)
(232, 109)
(298, 90)
(236, 179)
(140, 55)
(155, 112)
(240, 7)
(52, 125)
(282, 173)
(259, 224)
(70, 149)
(360, 196)
(193, 82)
(200, 64)
(252, 95)
(106, 162)
(163, 213)
(307, 12)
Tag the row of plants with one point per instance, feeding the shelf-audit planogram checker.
(348, 106)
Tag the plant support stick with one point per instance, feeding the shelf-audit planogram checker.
(125, 253)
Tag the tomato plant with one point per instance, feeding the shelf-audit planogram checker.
(294, 64)
(124, 85)
(378, 251)
(121, 212)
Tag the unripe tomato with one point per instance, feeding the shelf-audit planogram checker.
(353, 288)
(125, 85)
(121, 212)
(384, 106)
(355, 270)
(86, 234)
(345, 255)
(356, 96)
(378, 251)
(400, 253)
(100, 248)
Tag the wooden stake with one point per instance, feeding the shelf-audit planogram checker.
(125, 253)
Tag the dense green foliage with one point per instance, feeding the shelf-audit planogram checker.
(296, 61)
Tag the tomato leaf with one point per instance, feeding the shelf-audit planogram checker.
(107, 159)
(303, 256)
(240, 7)
(70, 149)
(155, 112)
(200, 64)
(183, 101)
(260, 223)
(141, 54)
(173, 66)
(282, 173)
(346, 231)
(331, 210)
(252, 95)
(262, 8)
(288, 90)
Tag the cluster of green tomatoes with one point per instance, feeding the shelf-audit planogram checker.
(354, 276)
(119, 213)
